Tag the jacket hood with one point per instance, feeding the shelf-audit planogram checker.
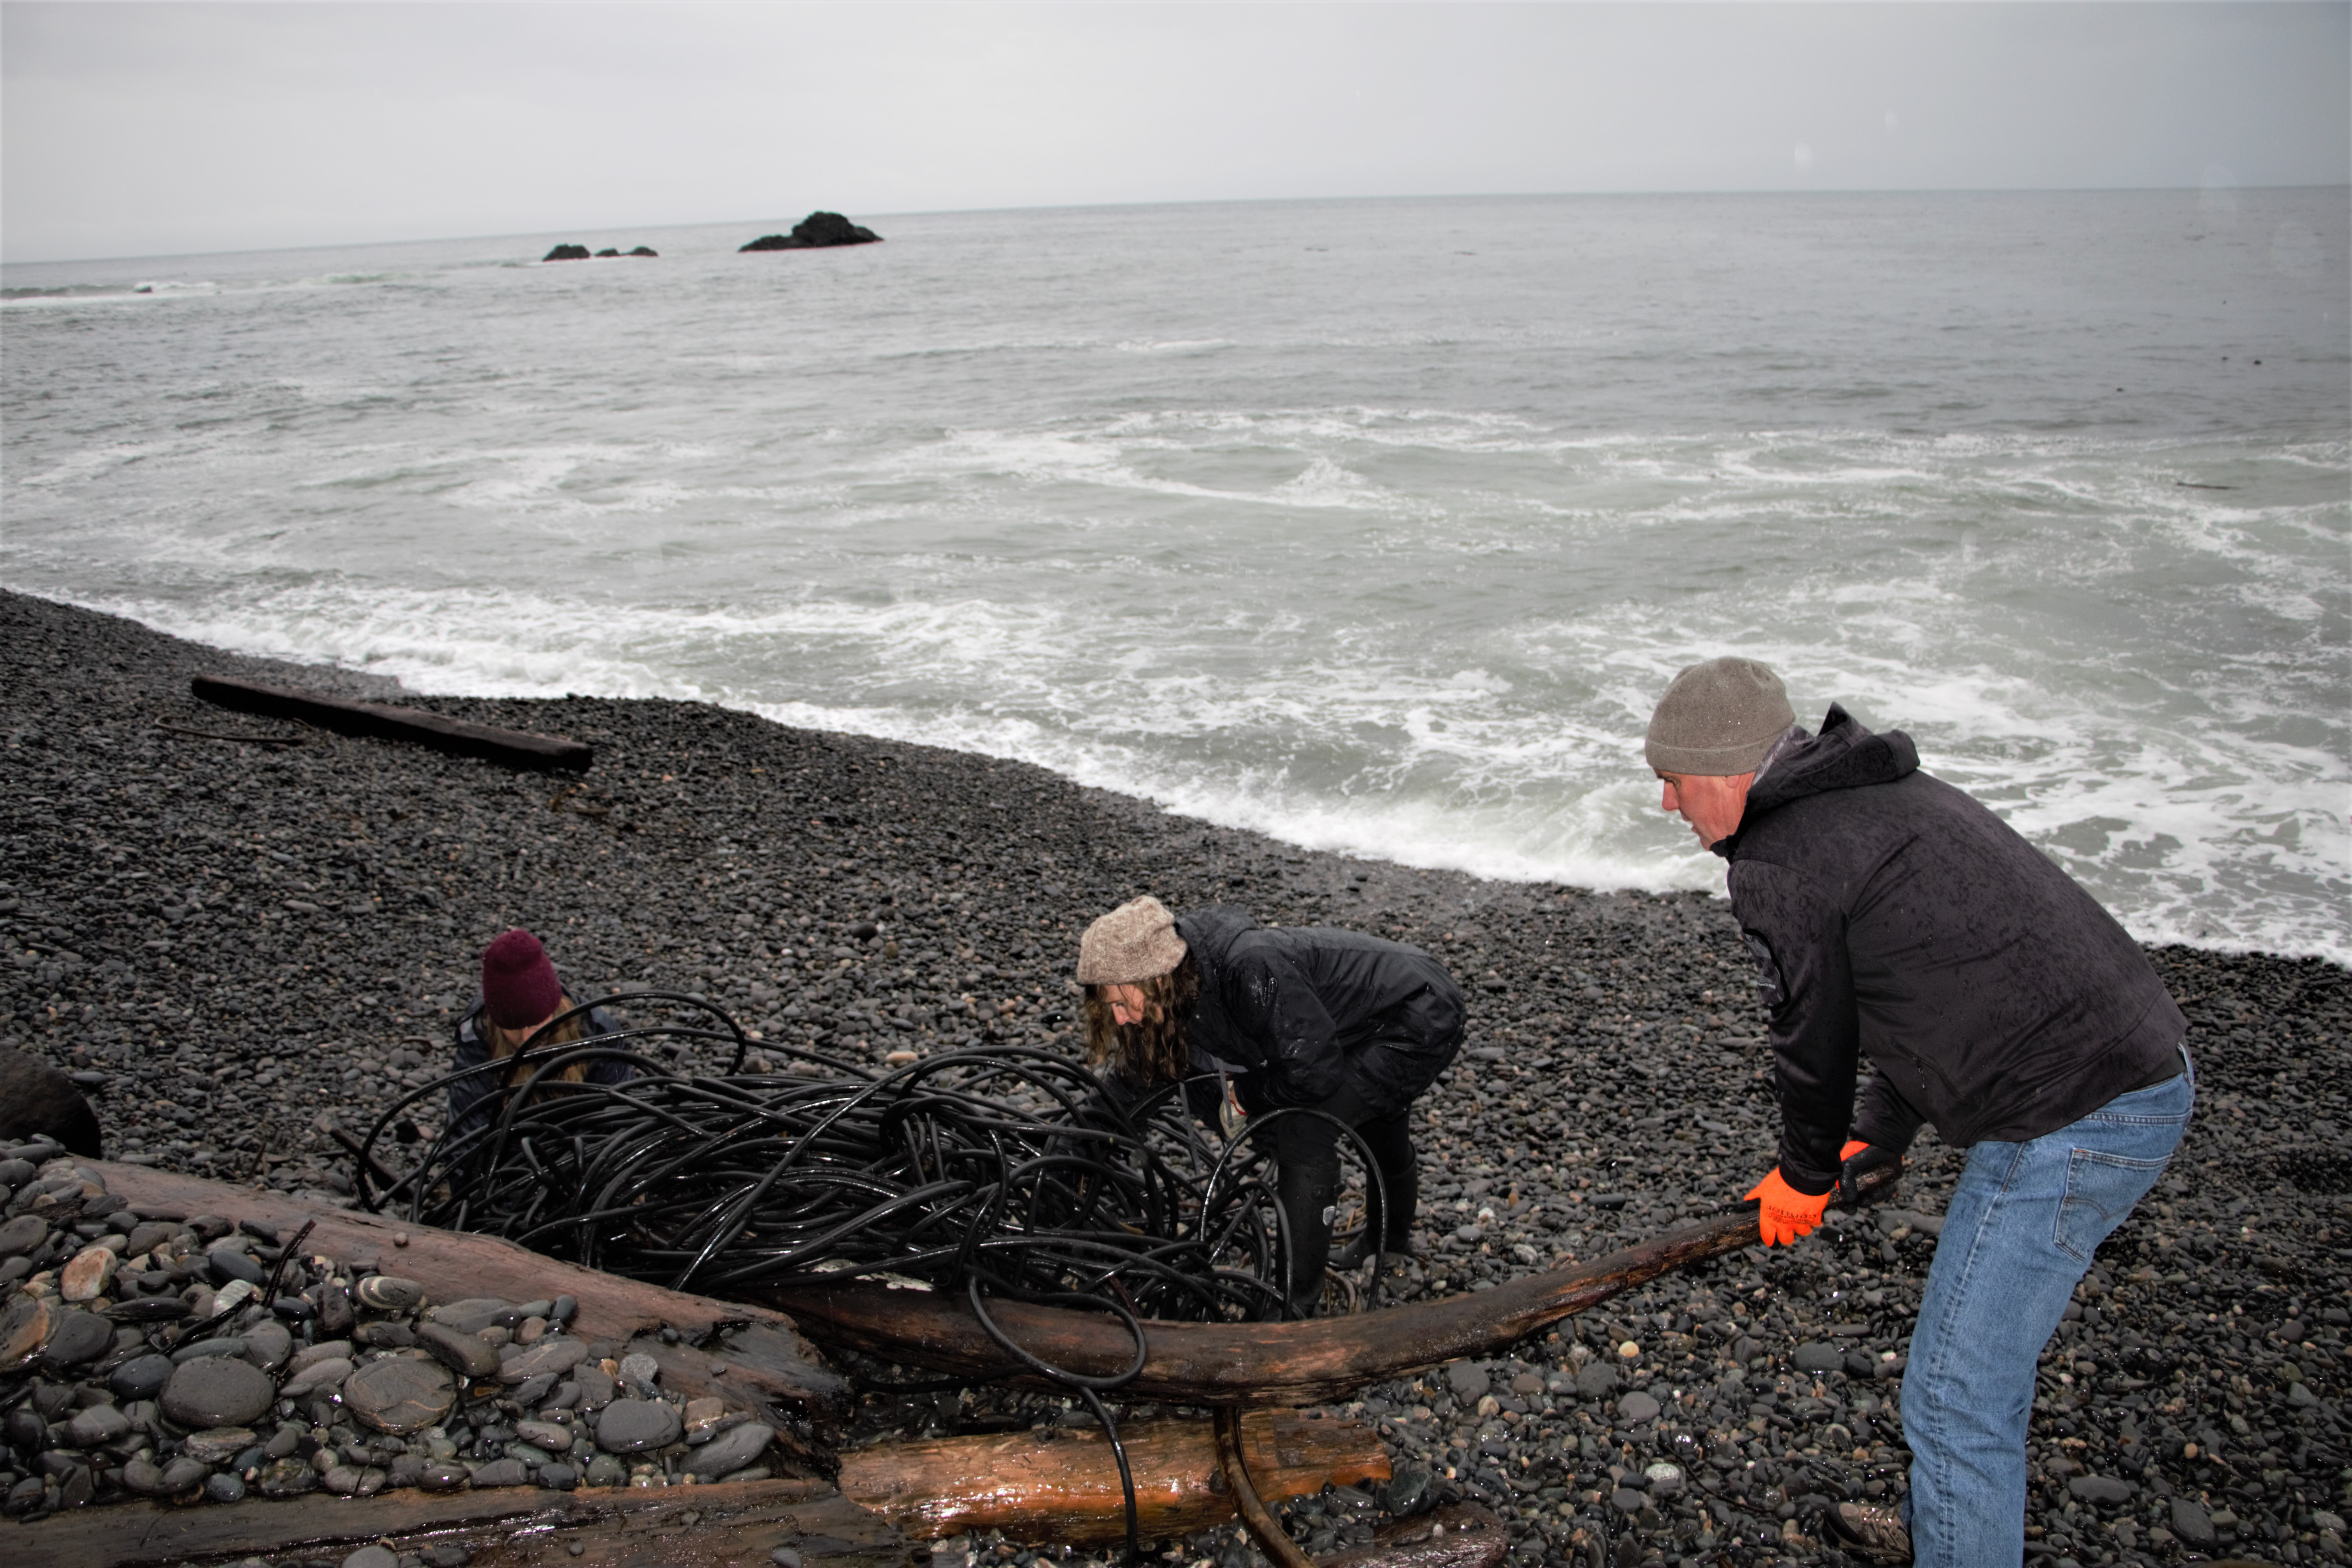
(1844, 755)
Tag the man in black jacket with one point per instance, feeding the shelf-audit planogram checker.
(1892, 917)
(1302, 1019)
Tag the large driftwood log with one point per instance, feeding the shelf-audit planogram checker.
(766, 1359)
(733, 1524)
(516, 748)
(1307, 1363)
(1067, 1490)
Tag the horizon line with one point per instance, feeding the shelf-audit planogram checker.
(1197, 202)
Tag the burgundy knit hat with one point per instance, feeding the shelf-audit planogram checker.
(519, 984)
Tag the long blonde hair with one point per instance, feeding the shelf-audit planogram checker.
(1157, 1050)
(505, 1042)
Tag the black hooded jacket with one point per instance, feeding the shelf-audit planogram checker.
(1894, 917)
(1302, 1009)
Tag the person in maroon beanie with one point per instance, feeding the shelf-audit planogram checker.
(520, 996)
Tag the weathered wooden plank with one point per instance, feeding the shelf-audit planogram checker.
(731, 1522)
(1310, 1363)
(516, 748)
(1067, 1490)
(766, 1361)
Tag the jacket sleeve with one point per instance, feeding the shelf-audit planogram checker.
(468, 1092)
(1300, 1041)
(606, 1069)
(1806, 981)
(1887, 1120)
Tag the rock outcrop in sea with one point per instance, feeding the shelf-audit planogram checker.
(817, 230)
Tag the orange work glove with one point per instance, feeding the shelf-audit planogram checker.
(1784, 1214)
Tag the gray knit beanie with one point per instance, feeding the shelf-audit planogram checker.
(1719, 719)
(1135, 941)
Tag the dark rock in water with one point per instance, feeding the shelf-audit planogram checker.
(814, 232)
(78, 1337)
(562, 1478)
(567, 253)
(36, 1101)
(608, 250)
(224, 1486)
(1412, 1488)
(502, 1473)
(213, 1391)
(634, 1426)
(645, 250)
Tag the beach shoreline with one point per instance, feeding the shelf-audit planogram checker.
(241, 940)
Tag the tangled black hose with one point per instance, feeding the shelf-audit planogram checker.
(1005, 1172)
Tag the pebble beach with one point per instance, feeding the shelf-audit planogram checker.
(236, 944)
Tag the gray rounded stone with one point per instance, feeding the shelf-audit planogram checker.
(502, 1473)
(141, 1378)
(214, 1391)
(224, 1485)
(466, 1354)
(605, 1470)
(635, 1426)
(730, 1450)
(79, 1337)
(1467, 1379)
(389, 1293)
(1596, 1380)
(23, 1234)
(1819, 1358)
(560, 1476)
(443, 1475)
(182, 1474)
(373, 1557)
(399, 1394)
(1638, 1407)
(1627, 1500)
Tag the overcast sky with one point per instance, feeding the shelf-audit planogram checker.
(140, 129)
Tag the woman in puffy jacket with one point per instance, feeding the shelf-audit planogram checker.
(1305, 1017)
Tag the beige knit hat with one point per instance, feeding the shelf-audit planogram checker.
(1719, 719)
(1135, 941)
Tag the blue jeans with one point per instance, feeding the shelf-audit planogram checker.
(2018, 1237)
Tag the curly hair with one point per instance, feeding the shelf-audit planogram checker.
(1156, 1050)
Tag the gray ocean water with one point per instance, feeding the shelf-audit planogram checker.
(1375, 525)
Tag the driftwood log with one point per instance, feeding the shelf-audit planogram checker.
(1463, 1536)
(766, 1361)
(516, 748)
(1308, 1362)
(1067, 1490)
(731, 1525)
